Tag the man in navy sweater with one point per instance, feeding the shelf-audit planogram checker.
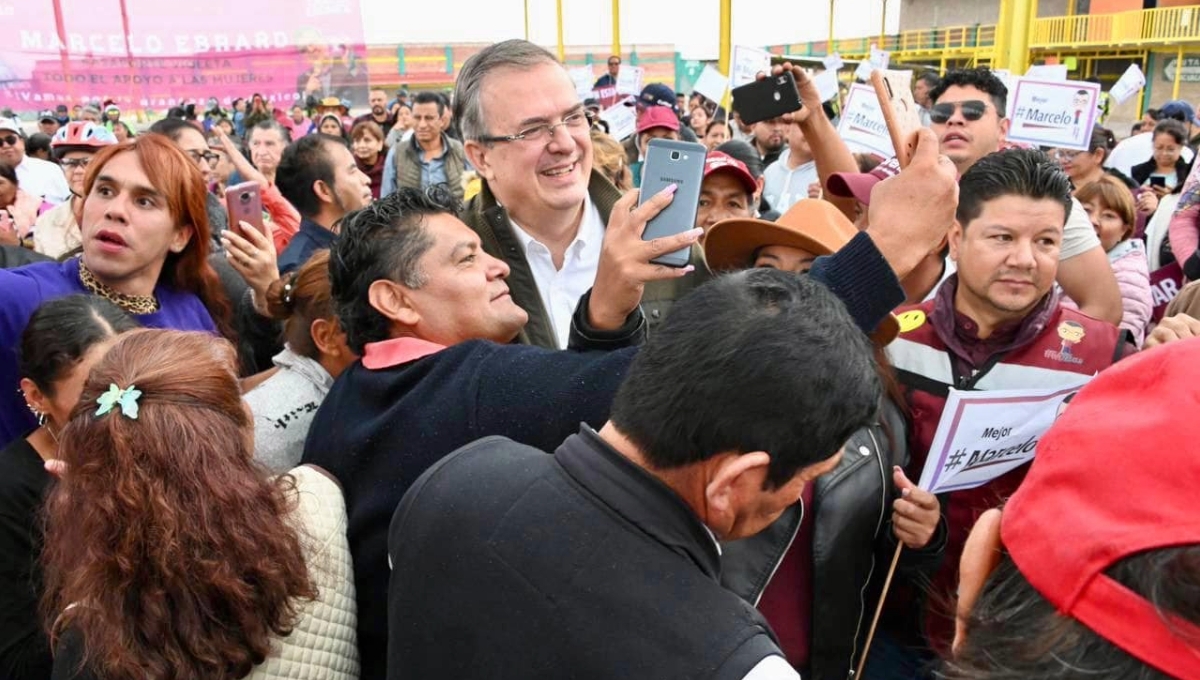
(429, 312)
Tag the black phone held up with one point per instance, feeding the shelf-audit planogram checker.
(670, 162)
(1158, 181)
(765, 99)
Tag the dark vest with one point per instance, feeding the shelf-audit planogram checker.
(509, 563)
(407, 160)
(925, 369)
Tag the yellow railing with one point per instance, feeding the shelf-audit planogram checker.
(1138, 27)
(955, 38)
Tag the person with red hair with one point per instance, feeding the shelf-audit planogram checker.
(187, 562)
(146, 243)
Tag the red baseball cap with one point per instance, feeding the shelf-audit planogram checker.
(718, 161)
(655, 117)
(1117, 475)
(858, 185)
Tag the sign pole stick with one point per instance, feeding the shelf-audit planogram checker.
(887, 584)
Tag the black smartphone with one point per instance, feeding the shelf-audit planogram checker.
(1158, 181)
(670, 162)
(765, 99)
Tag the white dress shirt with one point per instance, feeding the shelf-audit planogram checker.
(560, 289)
(43, 178)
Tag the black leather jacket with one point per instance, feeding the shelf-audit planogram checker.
(853, 543)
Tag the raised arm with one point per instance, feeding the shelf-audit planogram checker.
(829, 152)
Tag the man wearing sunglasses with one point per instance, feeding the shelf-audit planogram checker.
(541, 208)
(968, 116)
(36, 177)
(609, 79)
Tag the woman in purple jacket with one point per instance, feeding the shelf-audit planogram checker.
(145, 248)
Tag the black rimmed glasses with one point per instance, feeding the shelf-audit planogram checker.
(972, 110)
(199, 157)
(543, 132)
(10, 140)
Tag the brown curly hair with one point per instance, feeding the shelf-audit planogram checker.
(172, 543)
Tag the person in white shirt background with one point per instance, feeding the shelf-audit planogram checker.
(36, 177)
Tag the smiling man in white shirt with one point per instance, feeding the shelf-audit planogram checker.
(542, 208)
(34, 176)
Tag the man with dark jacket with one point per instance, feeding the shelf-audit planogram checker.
(542, 208)
(602, 560)
(319, 176)
(425, 305)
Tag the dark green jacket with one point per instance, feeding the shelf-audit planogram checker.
(490, 221)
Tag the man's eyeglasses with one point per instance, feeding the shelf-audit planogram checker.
(10, 140)
(72, 163)
(544, 132)
(972, 110)
(206, 157)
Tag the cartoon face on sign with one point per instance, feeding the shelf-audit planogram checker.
(1071, 333)
(1080, 103)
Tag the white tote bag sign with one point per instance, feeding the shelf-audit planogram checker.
(983, 435)
(1047, 113)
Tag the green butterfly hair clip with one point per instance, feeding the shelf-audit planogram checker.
(126, 399)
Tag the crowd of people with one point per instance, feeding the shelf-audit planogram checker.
(439, 413)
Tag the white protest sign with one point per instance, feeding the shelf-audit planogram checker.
(583, 78)
(983, 435)
(1047, 72)
(629, 80)
(621, 119)
(879, 59)
(862, 125)
(747, 63)
(827, 84)
(711, 83)
(1130, 83)
(833, 61)
(1053, 113)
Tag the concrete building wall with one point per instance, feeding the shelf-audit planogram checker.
(920, 14)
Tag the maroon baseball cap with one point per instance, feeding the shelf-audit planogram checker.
(1087, 503)
(718, 161)
(858, 185)
(655, 117)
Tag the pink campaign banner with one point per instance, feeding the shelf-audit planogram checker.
(153, 54)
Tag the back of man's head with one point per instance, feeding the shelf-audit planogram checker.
(383, 241)
(760, 360)
(980, 78)
(468, 87)
(1014, 172)
(303, 163)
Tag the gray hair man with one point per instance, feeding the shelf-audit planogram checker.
(542, 209)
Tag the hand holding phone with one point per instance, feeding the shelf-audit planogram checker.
(768, 98)
(244, 203)
(681, 164)
(899, 110)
